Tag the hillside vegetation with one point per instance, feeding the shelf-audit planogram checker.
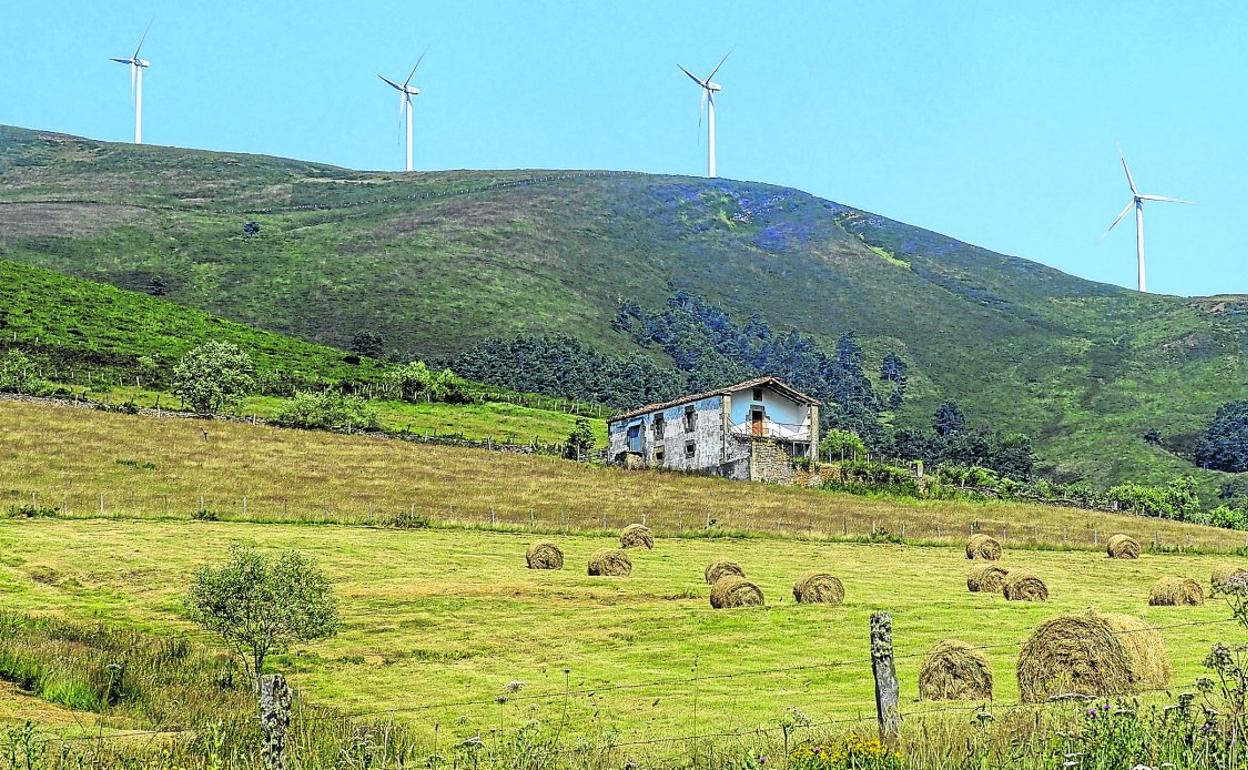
(436, 263)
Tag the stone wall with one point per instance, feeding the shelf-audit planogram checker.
(769, 462)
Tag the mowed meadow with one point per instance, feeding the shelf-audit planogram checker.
(448, 631)
(93, 463)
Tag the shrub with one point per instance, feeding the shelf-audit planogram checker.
(580, 441)
(213, 376)
(417, 382)
(842, 444)
(328, 410)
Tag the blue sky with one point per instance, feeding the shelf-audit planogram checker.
(993, 122)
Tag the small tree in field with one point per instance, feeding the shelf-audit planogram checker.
(259, 604)
(213, 376)
(580, 441)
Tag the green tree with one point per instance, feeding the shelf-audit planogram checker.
(580, 440)
(213, 376)
(417, 382)
(837, 444)
(260, 604)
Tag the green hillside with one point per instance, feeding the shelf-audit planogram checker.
(436, 262)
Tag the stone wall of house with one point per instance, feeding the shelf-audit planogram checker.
(769, 462)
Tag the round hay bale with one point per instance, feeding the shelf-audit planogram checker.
(1221, 574)
(954, 670)
(732, 591)
(983, 547)
(1122, 547)
(1091, 654)
(636, 536)
(544, 555)
(1176, 592)
(818, 588)
(610, 562)
(986, 578)
(717, 569)
(1020, 586)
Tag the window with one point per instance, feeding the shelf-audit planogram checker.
(658, 455)
(659, 425)
(634, 438)
(758, 394)
(691, 449)
(691, 419)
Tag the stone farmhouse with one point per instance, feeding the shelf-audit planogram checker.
(751, 431)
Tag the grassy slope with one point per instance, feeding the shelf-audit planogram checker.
(144, 466)
(435, 261)
(443, 615)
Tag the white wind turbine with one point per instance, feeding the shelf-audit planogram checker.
(1137, 200)
(137, 66)
(709, 89)
(406, 92)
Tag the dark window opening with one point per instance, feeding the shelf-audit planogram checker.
(658, 455)
(691, 449)
(758, 394)
(659, 425)
(691, 419)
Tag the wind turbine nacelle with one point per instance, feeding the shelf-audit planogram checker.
(713, 86)
(412, 91)
(141, 63)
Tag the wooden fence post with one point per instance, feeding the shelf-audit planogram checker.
(274, 720)
(886, 690)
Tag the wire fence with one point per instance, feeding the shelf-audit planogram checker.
(847, 712)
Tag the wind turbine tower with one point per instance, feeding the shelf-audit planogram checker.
(137, 66)
(709, 89)
(406, 92)
(1137, 202)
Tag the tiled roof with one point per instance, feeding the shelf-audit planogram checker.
(773, 382)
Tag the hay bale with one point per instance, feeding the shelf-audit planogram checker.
(732, 591)
(983, 547)
(954, 670)
(1221, 574)
(1176, 592)
(610, 562)
(636, 536)
(986, 578)
(818, 588)
(1091, 654)
(1020, 586)
(717, 569)
(1122, 547)
(544, 555)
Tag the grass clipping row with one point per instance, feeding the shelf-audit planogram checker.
(983, 547)
(1091, 654)
(636, 536)
(1122, 547)
(1176, 592)
(718, 569)
(544, 555)
(954, 670)
(610, 562)
(818, 588)
(732, 591)
(986, 578)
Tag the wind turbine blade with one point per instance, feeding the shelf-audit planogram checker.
(134, 74)
(391, 83)
(145, 31)
(418, 61)
(701, 112)
(1164, 199)
(1126, 168)
(1125, 211)
(692, 76)
(717, 66)
(120, 61)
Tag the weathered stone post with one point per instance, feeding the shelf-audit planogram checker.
(887, 692)
(274, 720)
